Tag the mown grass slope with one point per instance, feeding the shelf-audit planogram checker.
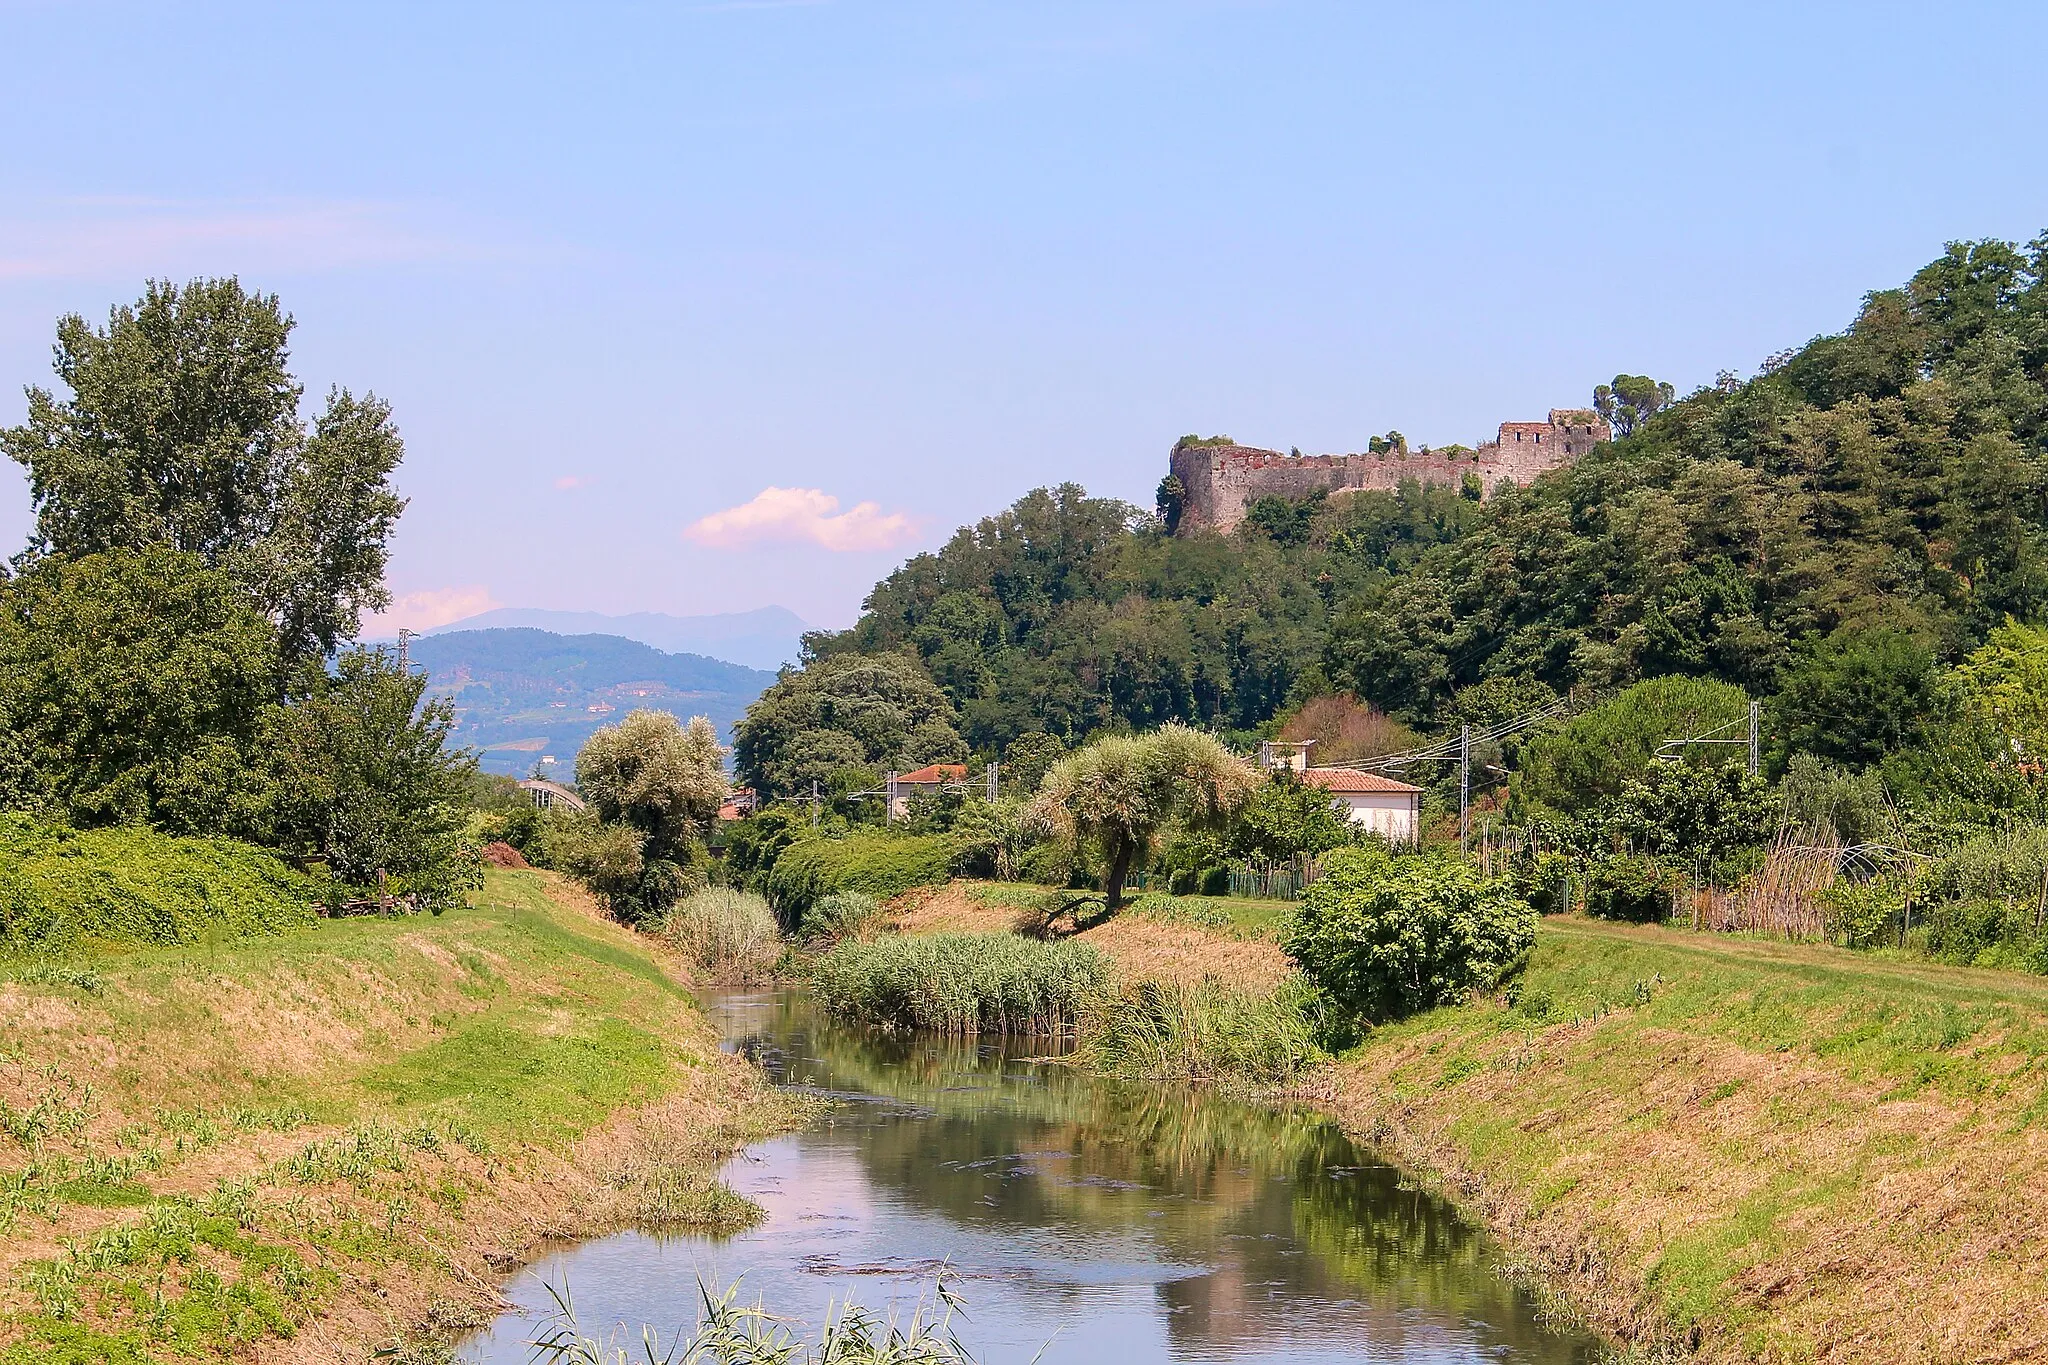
(1763, 1151)
(337, 1135)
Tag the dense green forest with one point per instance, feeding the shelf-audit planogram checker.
(1879, 496)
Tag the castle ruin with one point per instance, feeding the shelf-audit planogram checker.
(1220, 482)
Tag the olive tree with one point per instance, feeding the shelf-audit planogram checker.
(662, 781)
(1120, 792)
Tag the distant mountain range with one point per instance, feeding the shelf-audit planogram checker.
(523, 694)
(764, 638)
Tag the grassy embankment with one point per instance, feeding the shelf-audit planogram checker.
(1747, 1150)
(317, 1144)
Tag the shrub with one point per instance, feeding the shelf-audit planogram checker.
(1636, 890)
(1167, 1030)
(61, 888)
(1588, 759)
(1382, 936)
(876, 864)
(731, 935)
(963, 983)
(840, 914)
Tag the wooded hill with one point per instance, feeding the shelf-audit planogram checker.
(1876, 499)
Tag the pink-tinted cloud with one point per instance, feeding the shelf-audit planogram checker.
(805, 516)
(569, 483)
(429, 608)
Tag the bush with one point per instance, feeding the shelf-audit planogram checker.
(1165, 1030)
(1576, 766)
(61, 889)
(876, 864)
(1983, 932)
(963, 983)
(1382, 936)
(731, 935)
(1634, 890)
(839, 914)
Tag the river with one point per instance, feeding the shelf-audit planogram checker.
(1093, 1220)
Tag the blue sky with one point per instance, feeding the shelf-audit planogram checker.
(622, 268)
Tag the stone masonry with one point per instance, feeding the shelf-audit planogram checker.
(1221, 482)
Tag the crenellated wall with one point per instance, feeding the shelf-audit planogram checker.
(1220, 482)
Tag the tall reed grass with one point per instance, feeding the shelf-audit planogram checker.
(963, 984)
(1207, 1031)
(732, 936)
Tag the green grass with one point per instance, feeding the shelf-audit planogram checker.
(428, 1060)
(1229, 915)
(1167, 1030)
(1715, 1114)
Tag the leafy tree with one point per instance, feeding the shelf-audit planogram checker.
(180, 429)
(1695, 814)
(863, 713)
(2006, 680)
(1121, 791)
(1029, 758)
(1631, 400)
(1171, 501)
(652, 772)
(1858, 695)
(1286, 520)
(134, 685)
(1285, 816)
(663, 781)
(1595, 754)
(1382, 937)
(1343, 728)
(359, 775)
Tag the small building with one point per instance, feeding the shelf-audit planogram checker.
(929, 780)
(739, 805)
(1386, 807)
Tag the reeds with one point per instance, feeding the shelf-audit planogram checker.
(1783, 898)
(963, 984)
(1208, 1031)
(732, 936)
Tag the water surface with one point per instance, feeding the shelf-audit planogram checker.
(1101, 1222)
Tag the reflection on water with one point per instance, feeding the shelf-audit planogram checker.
(1119, 1223)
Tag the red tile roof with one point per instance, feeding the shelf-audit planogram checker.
(1346, 780)
(934, 774)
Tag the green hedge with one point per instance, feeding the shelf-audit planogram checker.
(875, 864)
(61, 888)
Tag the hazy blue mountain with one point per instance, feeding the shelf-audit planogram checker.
(521, 694)
(763, 638)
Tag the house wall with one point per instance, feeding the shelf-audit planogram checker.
(1389, 814)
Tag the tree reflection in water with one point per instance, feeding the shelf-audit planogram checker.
(1277, 1226)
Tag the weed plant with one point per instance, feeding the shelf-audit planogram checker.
(962, 984)
(875, 864)
(730, 1333)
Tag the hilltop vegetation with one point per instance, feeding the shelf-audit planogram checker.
(1887, 479)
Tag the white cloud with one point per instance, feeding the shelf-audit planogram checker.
(429, 608)
(804, 515)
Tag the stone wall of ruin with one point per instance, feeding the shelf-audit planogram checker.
(1222, 482)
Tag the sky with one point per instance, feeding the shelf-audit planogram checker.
(706, 307)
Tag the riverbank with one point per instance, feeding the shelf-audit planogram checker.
(1749, 1150)
(326, 1144)
(1713, 1147)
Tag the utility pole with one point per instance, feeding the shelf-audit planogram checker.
(889, 798)
(1464, 789)
(404, 649)
(1754, 707)
(814, 803)
(992, 782)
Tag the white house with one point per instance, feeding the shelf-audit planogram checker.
(1382, 805)
(929, 780)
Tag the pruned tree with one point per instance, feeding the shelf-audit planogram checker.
(1120, 792)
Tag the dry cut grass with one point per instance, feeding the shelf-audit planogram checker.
(1754, 1151)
